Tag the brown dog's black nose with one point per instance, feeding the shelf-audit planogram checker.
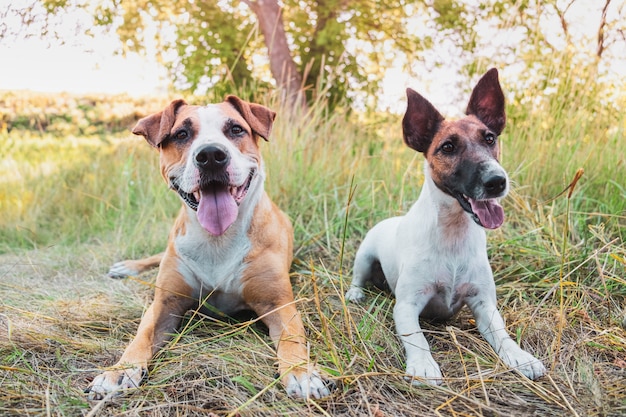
(495, 185)
(212, 157)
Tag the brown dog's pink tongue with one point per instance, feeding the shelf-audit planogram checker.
(217, 209)
(490, 213)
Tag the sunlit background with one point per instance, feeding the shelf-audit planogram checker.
(67, 60)
(55, 54)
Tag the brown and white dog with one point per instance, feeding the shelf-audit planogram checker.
(434, 258)
(230, 246)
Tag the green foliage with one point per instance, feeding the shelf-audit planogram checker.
(342, 48)
(571, 126)
(53, 6)
(451, 14)
(215, 43)
(213, 53)
(338, 43)
(63, 191)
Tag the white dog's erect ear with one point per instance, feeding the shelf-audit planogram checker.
(259, 117)
(420, 123)
(487, 102)
(158, 125)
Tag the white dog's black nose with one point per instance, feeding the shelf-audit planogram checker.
(495, 184)
(212, 156)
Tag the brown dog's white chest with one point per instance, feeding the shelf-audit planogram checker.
(214, 265)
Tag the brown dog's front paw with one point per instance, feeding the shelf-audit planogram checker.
(123, 269)
(116, 382)
(307, 384)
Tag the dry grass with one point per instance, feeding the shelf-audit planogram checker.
(61, 320)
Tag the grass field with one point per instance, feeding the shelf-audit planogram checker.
(74, 203)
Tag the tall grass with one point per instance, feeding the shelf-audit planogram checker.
(323, 169)
(552, 135)
(60, 191)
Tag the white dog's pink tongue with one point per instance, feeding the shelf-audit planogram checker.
(489, 212)
(217, 209)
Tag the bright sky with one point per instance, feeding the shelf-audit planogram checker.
(77, 64)
(89, 65)
(31, 65)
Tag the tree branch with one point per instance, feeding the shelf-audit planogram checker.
(601, 28)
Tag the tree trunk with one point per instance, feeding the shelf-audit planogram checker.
(282, 65)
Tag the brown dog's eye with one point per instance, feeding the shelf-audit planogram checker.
(490, 138)
(447, 147)
(236, 130)
(181, 135)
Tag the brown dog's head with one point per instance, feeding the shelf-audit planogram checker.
(462, 154)
(210, 155)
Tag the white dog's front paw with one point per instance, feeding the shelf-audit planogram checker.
(307, 384)
(424, 372)
(355, 294)
(517, 358)
(115, 382)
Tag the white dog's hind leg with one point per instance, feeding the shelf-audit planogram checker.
(362, 268)
(364, 263)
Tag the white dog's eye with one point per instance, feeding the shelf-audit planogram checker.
(447, 147)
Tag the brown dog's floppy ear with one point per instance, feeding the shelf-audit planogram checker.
(420, 123)
(260, 118)
(487, 102)
(156, 127)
